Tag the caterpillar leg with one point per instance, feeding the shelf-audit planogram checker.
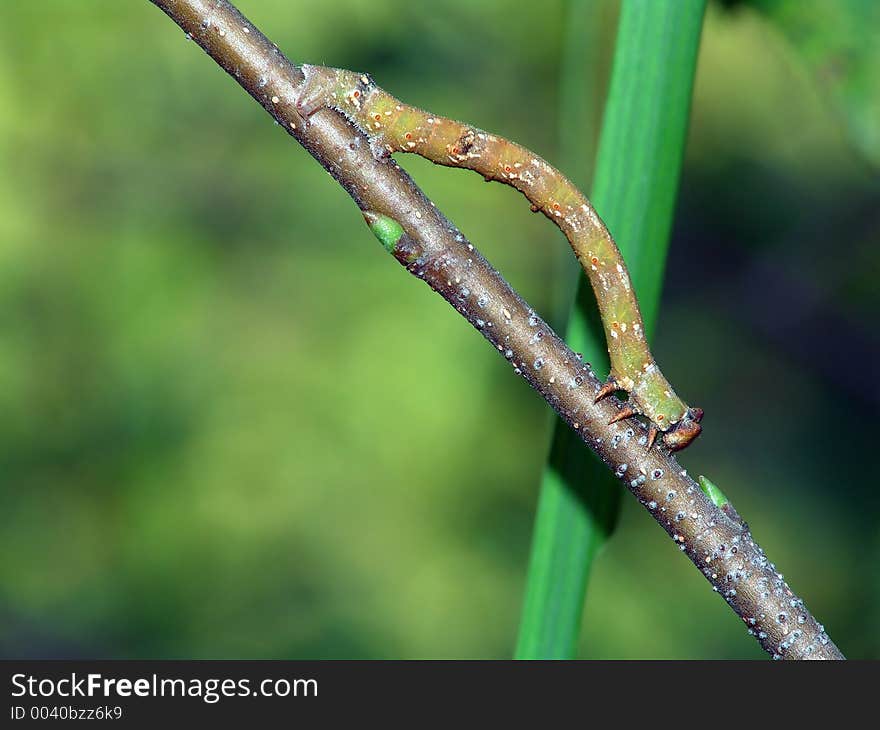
(675, 437)
(318, 90)
(686, 430)
(610, 387)
(625, 412)
(343, 91)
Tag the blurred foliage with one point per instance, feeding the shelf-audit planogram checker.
(840, 42)
(233, 427)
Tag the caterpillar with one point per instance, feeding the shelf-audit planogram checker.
(392, 126)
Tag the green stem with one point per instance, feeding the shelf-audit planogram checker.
(637, 174)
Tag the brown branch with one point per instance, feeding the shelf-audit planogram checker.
(718, 542)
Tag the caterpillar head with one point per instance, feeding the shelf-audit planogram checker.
(685, 431)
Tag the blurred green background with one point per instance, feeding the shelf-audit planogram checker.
(233, 427)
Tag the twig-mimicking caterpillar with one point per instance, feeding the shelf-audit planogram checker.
(393, 126)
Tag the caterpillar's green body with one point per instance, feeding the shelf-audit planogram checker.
(393, 126)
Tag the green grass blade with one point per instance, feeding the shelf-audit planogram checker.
(636, 182)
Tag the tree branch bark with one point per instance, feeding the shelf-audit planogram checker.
(432, 248)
